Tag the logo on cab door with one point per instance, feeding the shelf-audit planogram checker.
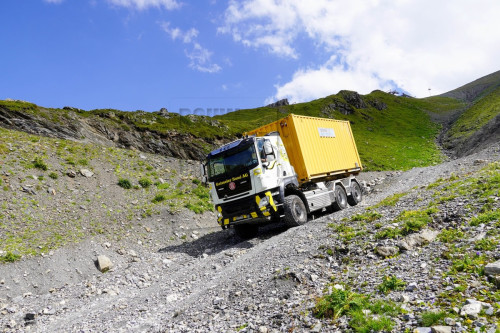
(232, 185)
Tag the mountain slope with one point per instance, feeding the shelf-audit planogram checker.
(392, 132)
(473, 90)
(478, 122)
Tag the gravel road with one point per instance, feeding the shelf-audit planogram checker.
(215, 282)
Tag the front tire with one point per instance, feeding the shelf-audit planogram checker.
(295, 211)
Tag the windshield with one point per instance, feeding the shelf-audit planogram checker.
(232, 162)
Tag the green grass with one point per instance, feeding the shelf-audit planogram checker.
(397, 138)
(9, 257)
(390, 200)
(450, 235)
(486, 244)
(125, 183)
(338, 303)
(145, 182)
(367, 216)
(485, 218)
(431, 318)
(344, 302)
(163, 186)
(391, 283)
(39, 163)
(475, 117)
(159, 198)
(469, 264)
(411, 221)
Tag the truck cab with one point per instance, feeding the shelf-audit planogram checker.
(245, 178)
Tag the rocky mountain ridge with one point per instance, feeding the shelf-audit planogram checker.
(105, 129)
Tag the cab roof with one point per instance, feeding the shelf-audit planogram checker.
(231, 145)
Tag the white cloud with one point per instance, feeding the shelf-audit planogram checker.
(372, 44)
(176, 33)
(199, 57)
(53, 1)
(144, 4)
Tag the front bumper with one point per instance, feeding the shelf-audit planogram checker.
(258, 207)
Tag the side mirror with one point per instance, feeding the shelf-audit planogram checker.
(268, 148)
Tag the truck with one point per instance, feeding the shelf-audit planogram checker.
(283, 171)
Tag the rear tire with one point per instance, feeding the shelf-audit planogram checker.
(356, 194)
(340, 198)
(246, 231)
(295, 211)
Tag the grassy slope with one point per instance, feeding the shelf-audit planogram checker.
(83, 207)
(400, 136)
(485, 108)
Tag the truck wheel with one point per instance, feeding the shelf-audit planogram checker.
(356, 194)
(246, 231)
(295, 211)
(340, 198)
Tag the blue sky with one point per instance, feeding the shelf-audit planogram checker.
(207, 55)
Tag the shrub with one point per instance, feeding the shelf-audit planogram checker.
(40, 164)
(340, 302)
(450, 235)
(83, 162)
(163, 186)
(53, 175)
(469, 264)
(159, 198)
(366, 324)
(391, 283)
(430, 318)
(486, 244)
(368, 217)
(196, 181)
(387, 233)
(145, 182)
(124, 183)
(10, 257)
(485, 218)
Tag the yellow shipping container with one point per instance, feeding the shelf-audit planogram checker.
(318, 148)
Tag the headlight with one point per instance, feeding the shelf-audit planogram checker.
(263, 202)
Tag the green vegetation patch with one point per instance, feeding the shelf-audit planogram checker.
(145, 182)
(39, 163)
(390, 200)
(410, 221)
(475, 117)
(450, 235)
(125, 183)
(391, 283)
(431, 318)
(367, 216)
(10, 257)
(391, 132)
(365, 315)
